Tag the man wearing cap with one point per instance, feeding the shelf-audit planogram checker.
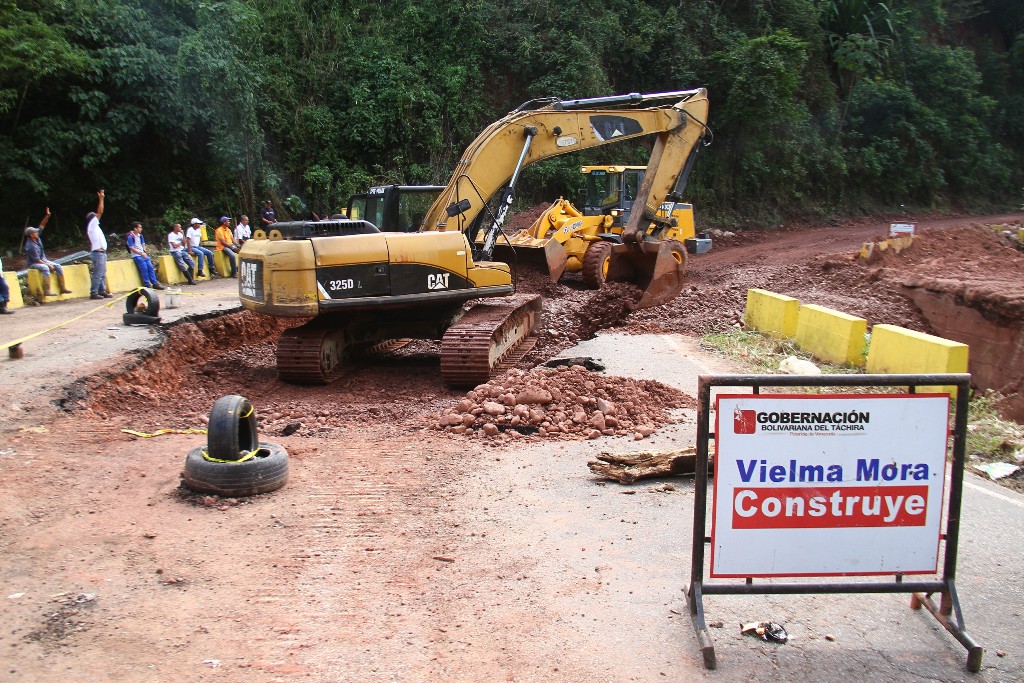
(194, 235)
(176, 245)
(137, 246)
(267, 215)
(226, 243)
(98, 252)
(35, 257)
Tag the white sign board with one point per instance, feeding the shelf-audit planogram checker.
(828, 485)
(900, 229)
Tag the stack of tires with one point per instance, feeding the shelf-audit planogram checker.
(234, 462)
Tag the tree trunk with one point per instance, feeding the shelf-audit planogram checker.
(626, 468)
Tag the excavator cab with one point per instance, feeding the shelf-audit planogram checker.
(394, 208)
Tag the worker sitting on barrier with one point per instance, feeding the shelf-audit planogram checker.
(5, 292)
(137, 246)
(35, 256)
(226, 242)
(176, 244)
(196, 248)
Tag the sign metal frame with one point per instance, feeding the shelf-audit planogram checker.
(947, 612)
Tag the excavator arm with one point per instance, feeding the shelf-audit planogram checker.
(535, 131)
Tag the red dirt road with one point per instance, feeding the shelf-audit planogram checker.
(398, 552)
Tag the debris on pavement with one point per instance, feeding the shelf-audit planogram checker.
(997, 470)
(626, 468)
(765, 630)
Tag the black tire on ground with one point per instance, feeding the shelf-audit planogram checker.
(266, 471)
(595, 264)
(232, 429)
(152, 301)
(139, 319)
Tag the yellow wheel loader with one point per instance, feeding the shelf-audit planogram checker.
(587, 236)
(361, 286)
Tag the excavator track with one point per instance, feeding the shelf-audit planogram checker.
(310, 354)
(488, 336)
(316, 355)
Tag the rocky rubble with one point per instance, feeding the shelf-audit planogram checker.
(567, 402)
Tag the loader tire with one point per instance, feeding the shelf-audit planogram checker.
(152, 302)
(595, 264)
(232, 429)
(264, 472)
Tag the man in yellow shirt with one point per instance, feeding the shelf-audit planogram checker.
(226, 242)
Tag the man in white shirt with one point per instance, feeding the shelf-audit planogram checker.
(98, 252)
(176, 245)
(194, 235)
(242, 231)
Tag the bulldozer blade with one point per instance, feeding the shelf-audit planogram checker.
(655, 267)
(550, 256)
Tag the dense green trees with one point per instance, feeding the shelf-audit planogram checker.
(817, 106)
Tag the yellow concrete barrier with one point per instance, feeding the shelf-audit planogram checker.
(773, 314)
(830, 335)
(896, 350)
(76, 278)
(122, 276)
(222, 263)
(16, 300)
(167, 270)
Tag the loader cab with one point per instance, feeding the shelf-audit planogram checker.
(394, 208)
(610, 191)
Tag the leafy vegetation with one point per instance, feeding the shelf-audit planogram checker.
(818, 106)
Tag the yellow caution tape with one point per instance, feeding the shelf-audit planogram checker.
(159, 432)
(248, 456)
(71, 320)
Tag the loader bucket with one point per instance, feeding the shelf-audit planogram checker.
(548, 255)
(655, 267)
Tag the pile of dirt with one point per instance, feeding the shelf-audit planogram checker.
(166, 380)
(567, 402)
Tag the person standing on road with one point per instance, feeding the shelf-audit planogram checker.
(98, 252)
(5, 292)
(137, 246)
(267, 215)
(194, 235)
(35, 256)
(242, 231)
(176, 244)
(226, 243)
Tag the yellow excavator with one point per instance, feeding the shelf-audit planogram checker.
(361, 286)
(588, 235)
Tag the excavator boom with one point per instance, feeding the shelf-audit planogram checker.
(535, 131)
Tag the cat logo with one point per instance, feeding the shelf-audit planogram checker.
(437, 281)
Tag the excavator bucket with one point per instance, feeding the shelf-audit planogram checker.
(657, 268)
(544, 254)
